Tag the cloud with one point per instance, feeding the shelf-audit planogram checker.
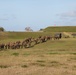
(67, 18)
(6, 17)
(68, 14)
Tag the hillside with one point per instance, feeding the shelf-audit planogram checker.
(66, 30)
(22, 35)
(60, 29)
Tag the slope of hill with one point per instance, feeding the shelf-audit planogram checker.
(66, 30)
(22, 35)
(60, 29)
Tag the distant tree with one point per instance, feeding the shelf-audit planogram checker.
(41, 29)
(2, 29)
(28, 29)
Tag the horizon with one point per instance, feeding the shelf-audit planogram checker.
(37, 30)
(16, 15)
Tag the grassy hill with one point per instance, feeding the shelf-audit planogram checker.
(47, 31)
(22, 35)
(60, 29)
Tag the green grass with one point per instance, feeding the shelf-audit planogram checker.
(26, 54)
(60, 29)
(22, 35)
(15, 54)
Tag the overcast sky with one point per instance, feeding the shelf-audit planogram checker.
(16, 15)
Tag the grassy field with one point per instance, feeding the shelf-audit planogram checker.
(22, 35)
(54, 57)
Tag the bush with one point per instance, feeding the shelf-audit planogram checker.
(1, 29)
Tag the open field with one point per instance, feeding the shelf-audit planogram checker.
(54, 57)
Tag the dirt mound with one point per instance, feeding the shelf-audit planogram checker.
(66, 34)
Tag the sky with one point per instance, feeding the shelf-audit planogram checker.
(16, 15)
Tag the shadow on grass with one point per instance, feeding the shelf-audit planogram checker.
(4, 66)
